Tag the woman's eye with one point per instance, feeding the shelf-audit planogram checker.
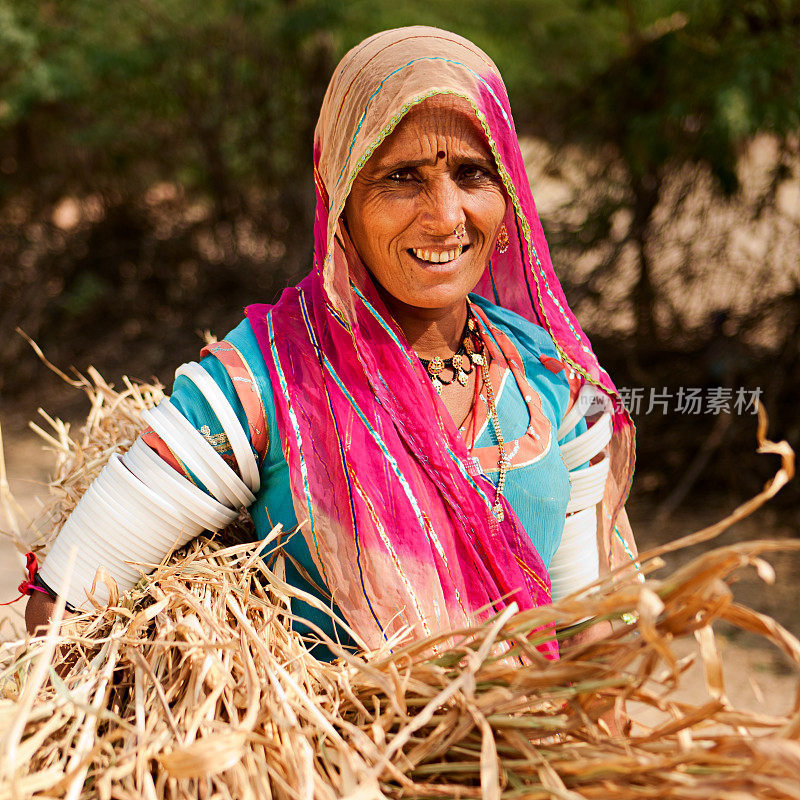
(401, 176)
(473, 173)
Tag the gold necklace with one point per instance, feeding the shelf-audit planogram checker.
(473, 347)
(481, 360)
(497, 508)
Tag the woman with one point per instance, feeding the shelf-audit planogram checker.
(424, 436)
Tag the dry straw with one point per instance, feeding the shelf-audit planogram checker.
(195, 685)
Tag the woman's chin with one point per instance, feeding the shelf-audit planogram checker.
(440, 296)
(441, 285)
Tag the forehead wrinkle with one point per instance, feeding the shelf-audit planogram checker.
(426, 131)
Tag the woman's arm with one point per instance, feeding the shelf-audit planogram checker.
(186, 477)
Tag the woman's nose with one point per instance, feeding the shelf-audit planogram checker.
(443, 209)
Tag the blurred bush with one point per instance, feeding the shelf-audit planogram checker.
(155, 171)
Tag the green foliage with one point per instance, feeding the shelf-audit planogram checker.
(219, 100)
(225, 95)
(135, 64)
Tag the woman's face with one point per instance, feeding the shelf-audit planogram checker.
(432, 174)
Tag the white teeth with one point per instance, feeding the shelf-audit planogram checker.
(437, 258)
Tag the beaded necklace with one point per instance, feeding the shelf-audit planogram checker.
(471, 354)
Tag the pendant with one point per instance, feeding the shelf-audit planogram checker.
(458, 369)
(437, 384)
(435, 366)
(499, 513)
(477, 358)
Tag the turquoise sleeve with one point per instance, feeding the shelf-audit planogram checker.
(273, 504)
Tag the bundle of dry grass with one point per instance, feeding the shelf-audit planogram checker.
(195, 685)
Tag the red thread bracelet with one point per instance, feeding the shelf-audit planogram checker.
(27, 586)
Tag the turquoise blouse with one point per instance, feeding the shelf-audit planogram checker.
(538, 492)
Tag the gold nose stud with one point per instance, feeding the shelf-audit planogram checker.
(461, 231)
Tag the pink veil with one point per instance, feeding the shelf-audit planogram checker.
(401, 532)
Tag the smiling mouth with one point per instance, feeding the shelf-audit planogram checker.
(438, 256)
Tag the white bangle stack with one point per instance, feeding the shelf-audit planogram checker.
(139, 509)
(575, 564)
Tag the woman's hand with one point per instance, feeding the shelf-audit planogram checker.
(39, 612)
(598, 631)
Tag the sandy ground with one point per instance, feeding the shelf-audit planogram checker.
(755, 677)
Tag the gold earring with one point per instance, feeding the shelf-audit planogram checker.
(502, 239)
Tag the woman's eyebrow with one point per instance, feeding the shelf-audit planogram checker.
(411, 163)
(482, 161)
